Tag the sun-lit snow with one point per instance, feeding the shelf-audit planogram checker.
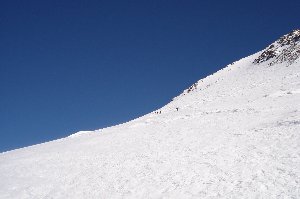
(80, 133)
(234, 134)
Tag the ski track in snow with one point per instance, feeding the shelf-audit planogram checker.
(236, 136)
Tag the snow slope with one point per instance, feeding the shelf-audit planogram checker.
(236, 134)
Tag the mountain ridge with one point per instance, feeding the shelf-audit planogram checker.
(285, 49)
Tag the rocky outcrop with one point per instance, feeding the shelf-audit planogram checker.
(285, 49)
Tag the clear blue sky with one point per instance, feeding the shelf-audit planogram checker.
(70, 65)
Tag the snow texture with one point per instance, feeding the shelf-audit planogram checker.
(234, 134)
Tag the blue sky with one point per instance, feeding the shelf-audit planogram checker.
(83, 65)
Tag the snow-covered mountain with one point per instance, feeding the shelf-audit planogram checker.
(234, 134)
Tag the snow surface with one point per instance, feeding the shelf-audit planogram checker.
(235, 135)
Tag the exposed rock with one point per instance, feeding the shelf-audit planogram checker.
(285, 49)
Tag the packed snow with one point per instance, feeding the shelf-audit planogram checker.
(234, 134)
